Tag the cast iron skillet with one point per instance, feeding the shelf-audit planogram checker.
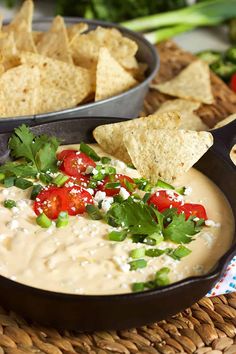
(90, 313)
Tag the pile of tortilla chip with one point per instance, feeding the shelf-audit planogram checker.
(156, 145)
(42, 72)
(189, 89)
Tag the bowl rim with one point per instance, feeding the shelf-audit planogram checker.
(131, 34)
(216, 272)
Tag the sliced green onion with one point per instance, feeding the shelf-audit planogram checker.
(130, 165)
(35, 191)
(2, 177)
(9, 182)
(89, 151)
(161, 277)
(45, 178)
(60, 179)
(92, 184)
(118, 198)
(154, 239)
(117, 236)
(143, 184)
(181, 190)
(23, 183)
(98, 177)
(129, 186)
(43, 221)
(180, 252)
(99, 167)
(9, 203)
(105, 160)
(138, 264)
(63, 219)
(109, 170)
(112, 185)
(138, 238)
(137, 253)
(138, 287)
(154, 252)
(164, 185)
(93, 212)
(146, 197)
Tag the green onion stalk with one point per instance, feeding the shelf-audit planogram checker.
(171, 23)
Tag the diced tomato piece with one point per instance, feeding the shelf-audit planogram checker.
(196, 210)
(75, 163)
(232, 83)
(77, 198)
(163, 199)
(62, 155)
(51, 201)
(122, 179)
(80, 180)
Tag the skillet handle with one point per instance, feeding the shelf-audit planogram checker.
(225, 139)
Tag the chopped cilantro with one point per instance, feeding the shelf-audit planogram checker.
(180, 230)
(143, 184)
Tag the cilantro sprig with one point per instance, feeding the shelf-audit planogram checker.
(34, 154)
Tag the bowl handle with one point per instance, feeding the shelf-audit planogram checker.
(225, 139)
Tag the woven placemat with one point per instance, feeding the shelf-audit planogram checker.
(207, 327)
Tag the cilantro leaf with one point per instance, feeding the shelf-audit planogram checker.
(133, 215)
(39, 151)
(18, 170)
(180, 230)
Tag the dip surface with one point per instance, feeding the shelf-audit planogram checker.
(80, 259)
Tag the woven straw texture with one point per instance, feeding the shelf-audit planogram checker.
(209, 326)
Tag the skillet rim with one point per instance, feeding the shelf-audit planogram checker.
(218, 268)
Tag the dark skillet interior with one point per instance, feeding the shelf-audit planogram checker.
(90, 313)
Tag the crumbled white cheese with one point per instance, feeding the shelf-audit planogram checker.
(212, 223)
(124, 193)
(94, 171)
(91, 191)
(22, 204)
(89, 170)
(5, 192)
(99, 196)
(15, 210)
(106, 204)
(188, 190)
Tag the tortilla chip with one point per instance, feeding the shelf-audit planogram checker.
(56, 74)
(139, 72)
(189, 120)
(9, 57)
(85, 48)
(54, 43)
(192, 83)
(233, 154)
(225, 121)
(19, 91)
(110, 136)
(75, 30)
(111, 78)
(37, 36)
(24, 16)
(165, 154)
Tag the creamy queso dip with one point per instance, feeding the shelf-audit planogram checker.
(80, 259)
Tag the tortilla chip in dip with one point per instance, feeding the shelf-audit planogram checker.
(189, 120)
(75, 30)
(165, 154)
(54, 43)
(110, 136)
(19, 91)
(85, 48)
(225, 121)
(192, 83)
(111, 77)
(56, 74)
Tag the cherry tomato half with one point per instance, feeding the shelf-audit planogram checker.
(77, 198)
(164, 199)
(196, 210)
(122, 179)
(51, 201)
(80, 180)
(232, 83)
(76, 162)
